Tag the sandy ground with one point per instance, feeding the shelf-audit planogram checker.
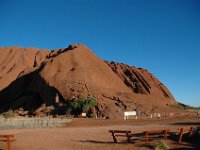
(91, 134)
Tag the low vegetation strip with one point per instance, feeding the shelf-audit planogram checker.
(11, 123)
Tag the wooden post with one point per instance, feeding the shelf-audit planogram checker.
(9, 142)
(165, 135)
(190, 132)
(180, 135)
(94, 112)
(114, 138)
(128, 137)
(146, 137)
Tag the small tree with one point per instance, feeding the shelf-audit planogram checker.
(81, 105)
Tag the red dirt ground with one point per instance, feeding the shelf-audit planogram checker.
(93, 134)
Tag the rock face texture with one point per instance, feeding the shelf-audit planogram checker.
(38, 81)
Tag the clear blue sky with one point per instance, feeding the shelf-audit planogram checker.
(162, 36)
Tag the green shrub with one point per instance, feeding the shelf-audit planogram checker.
(8, 114)
(81, 105)
(161, 145)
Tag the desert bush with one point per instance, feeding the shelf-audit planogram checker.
(81, 105)
(161, 145)
(183, 106)
(8, 114)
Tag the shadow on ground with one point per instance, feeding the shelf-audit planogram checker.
(188, 143)
(192, 143)
(99, 142)
(187, 123)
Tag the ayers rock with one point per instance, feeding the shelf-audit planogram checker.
(32, 79)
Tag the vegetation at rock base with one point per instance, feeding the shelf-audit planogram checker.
(183, 106)
(80, 105)
(8, 114)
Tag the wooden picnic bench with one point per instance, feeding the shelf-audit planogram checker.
(7, 138)
(155, 133)
(120, 133)
(187, 130)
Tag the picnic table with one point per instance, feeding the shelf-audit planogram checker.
(7, 138)
(122, 133)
